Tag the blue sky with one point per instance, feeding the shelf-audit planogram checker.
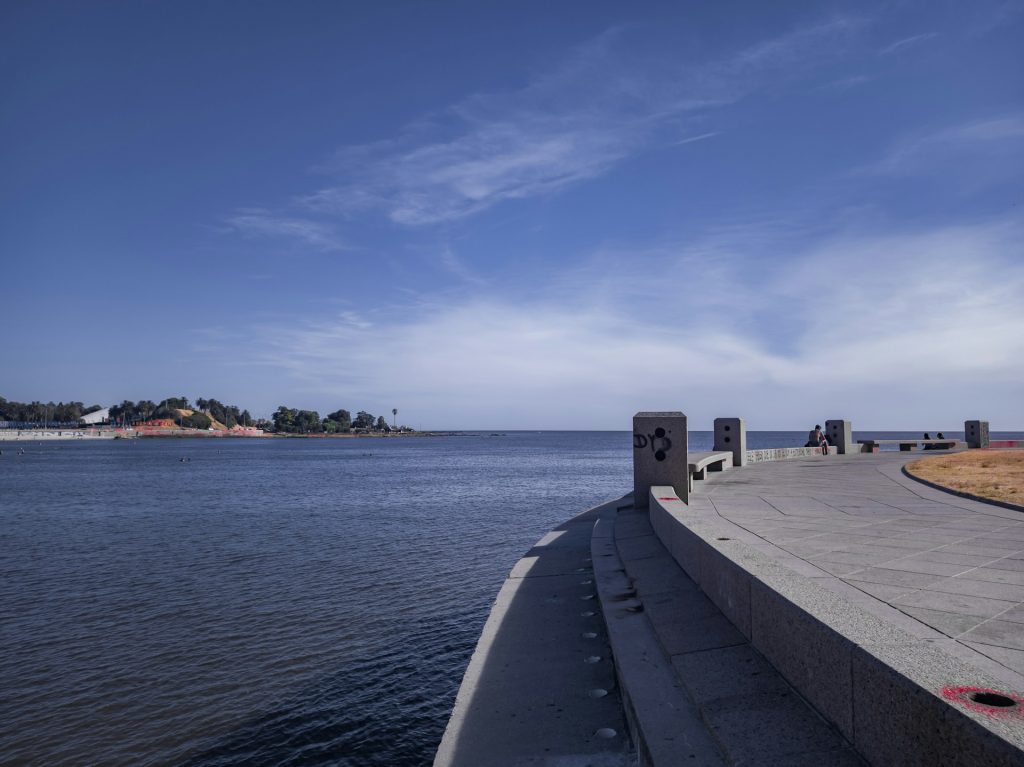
(519, 215)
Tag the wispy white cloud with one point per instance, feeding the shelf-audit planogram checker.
(885, 328)
(692, 139)
(457, 267)
(257, 222)
(932, 151)
(572, 124)
(906, 42)
(845, 83)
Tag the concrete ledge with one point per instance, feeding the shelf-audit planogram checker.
(540, 687)
(785, 453)
(665, 725)
(885, 688)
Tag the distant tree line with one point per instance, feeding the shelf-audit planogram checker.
(44, 412)
(204, 413)
(290, 421)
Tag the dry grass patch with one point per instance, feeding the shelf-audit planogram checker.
(995, 474)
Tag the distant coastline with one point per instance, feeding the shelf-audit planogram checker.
(71, 434)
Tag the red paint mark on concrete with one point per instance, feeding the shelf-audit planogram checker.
(961, 696)
(668, 499)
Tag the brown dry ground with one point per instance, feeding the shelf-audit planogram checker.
(995, 474)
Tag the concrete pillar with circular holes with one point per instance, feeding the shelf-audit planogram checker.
(976, 433)
(840, 434)
(659, 455)
(731, 436)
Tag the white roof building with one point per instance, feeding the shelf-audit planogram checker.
(100, 416)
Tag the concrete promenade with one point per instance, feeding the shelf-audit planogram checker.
(949, 563)
(818, 610)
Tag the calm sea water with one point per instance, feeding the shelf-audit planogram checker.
(267, 602)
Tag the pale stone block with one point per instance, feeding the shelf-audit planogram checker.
(659, 454)
(976, 433)
(731, 436)
(840, 434)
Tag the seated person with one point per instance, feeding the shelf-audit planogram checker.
(816, 438)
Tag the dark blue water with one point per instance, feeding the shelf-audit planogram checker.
(267, 602)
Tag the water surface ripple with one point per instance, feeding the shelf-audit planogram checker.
(267, 602)
(285, 602)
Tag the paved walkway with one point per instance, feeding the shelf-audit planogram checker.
(540, 688)
(943, 561)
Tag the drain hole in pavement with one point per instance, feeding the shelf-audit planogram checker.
(723, 539)
(992, 699)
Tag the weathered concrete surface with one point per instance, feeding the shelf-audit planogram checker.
(878, 598)
(659, 452)
(540, 688)
(697, 691)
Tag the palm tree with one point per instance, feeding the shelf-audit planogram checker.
(394, 416)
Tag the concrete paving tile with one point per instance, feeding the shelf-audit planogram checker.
(969, 560)
(935, 539)
(679, 605)
(956, 585)
(954, 603)
(836, 568)
(853, 557)
(1008, 563)
(911, 565)
(763, 728)
(882, 550)
(725, 672)
(867, 540)
(998, 633)
(1012, 659)
(994, 576)
(679, 634)
(789, 535)
(973, 548)
(897, 577)
(873, 531)
(657, 575)
(632, 525)
(881, 591)
(1004, 537)
(1015, 614)
(640, 547)
(950, 624)
(809, 549)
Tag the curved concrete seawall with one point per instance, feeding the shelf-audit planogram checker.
(817, 610)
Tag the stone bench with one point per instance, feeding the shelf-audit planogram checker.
(701, 463)
(906, 445)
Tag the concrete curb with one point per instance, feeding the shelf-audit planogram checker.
(962, 494)
(882, 686)
(665, 725)
(540, 686)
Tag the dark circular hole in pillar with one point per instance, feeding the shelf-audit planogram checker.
(659, 456)
(727, 438)
(659, 432)
(992, 699)
(726, 427)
